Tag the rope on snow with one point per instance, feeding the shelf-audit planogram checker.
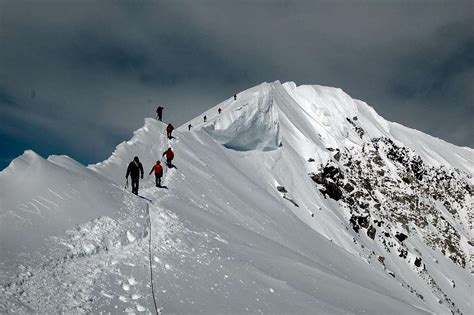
(150, 262)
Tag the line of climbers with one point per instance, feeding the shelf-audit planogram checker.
(170, 127)
(135, 170)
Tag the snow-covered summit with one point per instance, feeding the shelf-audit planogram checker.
(294, 199)
(315, 116)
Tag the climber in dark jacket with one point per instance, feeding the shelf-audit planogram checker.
(169, 130)
(135, 169)
(159, 112)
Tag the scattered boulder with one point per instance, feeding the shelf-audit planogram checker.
(326, 179)
(401, 237)
(418, 262)
(333, 191)
(363, 221)
(371, 232)
(403, 253)
(354, 224)
(358, 222)
(348, 187)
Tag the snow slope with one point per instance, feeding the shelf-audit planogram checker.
(241, 227)
(56, 214)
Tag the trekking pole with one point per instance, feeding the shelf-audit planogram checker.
(126, 183)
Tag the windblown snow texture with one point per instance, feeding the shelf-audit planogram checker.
(294, 199)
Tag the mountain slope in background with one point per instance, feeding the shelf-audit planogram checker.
(295, 199)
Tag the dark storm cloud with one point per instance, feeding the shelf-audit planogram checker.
(86, 73)
(431, 89)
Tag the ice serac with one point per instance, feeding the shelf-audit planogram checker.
(252, 125)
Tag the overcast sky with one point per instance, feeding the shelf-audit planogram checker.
(78, 77)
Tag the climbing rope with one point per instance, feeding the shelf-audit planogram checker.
(149, 255)
(150, 261)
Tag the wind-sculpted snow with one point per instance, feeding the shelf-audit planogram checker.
(294, 199)
(56, 214)
(251, 123)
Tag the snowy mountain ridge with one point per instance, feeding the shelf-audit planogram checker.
(295, 199)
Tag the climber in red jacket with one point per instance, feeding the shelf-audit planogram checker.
(158, 173)
(169, 154)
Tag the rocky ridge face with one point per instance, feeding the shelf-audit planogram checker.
(390, 194)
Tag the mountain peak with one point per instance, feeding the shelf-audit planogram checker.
(311, 117)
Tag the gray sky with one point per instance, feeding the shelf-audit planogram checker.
(77, 77)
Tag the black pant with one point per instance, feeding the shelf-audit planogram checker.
(158, 179)
(135, 185)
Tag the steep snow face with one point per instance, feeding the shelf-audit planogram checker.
(293, 199)
(342, 122)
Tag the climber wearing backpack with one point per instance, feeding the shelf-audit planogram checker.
(158, 173)
(169, 130)
(135, 169)
(169, 154)
(159, 113)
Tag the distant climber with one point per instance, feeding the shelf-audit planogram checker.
(235, 97)
(169, 130)
(219, 110)
(158, 173)
(159, 113)
(135, 169)
(169, 155)
(205, 118)
(189, 127)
